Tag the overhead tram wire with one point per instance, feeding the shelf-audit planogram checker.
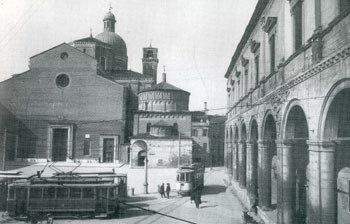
(21, 26)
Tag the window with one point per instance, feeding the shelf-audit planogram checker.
(297, 12)
(246, 71)
(84, 50)
(88, 193)
(103, 62)
(64, 55)
(146, 105)
(182, 177)
(49, 193)
(35, 193)
(175, 129)
(149, 54)
(62, 80)
(272, 53)
(75, 193)
(256, 62)
(205, 132)
(111, 193)
(194, 132)
(148, 127)
(87, 145)
(205, 146)
(11, 193)
(62, 193)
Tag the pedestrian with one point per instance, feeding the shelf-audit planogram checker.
(192, 195)
(162, 191)
(167, 190)
(49, 219)
(197, 198)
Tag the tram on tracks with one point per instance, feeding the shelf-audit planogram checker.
(189, 177)
(68, 194)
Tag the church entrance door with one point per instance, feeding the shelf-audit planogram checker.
(108, 149)
(59, 144)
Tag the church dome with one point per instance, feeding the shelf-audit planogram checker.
(109, 16)
(119, 50)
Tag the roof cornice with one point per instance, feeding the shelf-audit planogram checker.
(259, 8)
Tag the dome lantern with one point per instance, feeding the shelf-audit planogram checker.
(109, 21)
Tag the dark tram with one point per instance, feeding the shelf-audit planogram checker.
(68, 194)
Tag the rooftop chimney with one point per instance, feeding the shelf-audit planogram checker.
(164, 77)
(205, 107)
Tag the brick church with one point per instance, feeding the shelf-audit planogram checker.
(78, 102)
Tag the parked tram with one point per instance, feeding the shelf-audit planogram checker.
(67, 195)
(189, 177)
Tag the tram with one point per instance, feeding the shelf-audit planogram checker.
(189, 177)
(67, 194)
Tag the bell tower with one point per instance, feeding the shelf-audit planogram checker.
(150, 61)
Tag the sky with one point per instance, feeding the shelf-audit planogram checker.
(195, 38)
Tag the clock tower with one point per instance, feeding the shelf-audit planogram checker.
(150, 62)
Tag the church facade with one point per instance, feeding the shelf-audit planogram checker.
(287, 148)
(75, 103)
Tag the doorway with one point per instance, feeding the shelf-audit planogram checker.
(59, 144)
(108, 150)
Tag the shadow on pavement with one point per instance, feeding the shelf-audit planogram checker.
(140, 198)
(213, 189)
(208, 206)
(133, 212)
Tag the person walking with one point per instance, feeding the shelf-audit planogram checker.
(162, 191)
(167, 190)
(197, 198)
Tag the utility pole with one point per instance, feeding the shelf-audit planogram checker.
(178, 161)
(146, 175)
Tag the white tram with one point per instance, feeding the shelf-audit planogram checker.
(189, 177)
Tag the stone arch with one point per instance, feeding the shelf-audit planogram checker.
(336, 89)
(139, 150)
(252, 160)
(236, 156)
(334, 132)
(295, 159)
(242, 155)
(267, 172)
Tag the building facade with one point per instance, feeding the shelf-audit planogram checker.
(74, 104)
(287, 131)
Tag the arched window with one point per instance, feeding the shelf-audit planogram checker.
(149, 54)
(103, 62)
(175, 129)
(148, 127)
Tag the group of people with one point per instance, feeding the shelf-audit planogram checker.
(162, 190)
(196, 196)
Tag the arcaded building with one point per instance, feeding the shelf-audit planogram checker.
(75, 103)
(287, 132)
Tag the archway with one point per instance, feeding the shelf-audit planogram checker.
(243, 157)
(141, 156)
(230, 165)
(253, 161)
(236, 161)
(267, 165)
(295, 160)
(337, 129)
(139, 152)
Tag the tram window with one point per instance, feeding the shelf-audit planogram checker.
(35, 193)
(188, 177)
(62, 193)
(177, 177)
(111, 192)
(49, 192)
(75, 192)
(88, 193)
(182, 177)
(12, 193)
